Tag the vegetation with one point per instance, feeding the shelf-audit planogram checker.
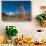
(4, 14)
(41, 17)
(11, 31)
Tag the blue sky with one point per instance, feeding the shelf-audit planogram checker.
(15, 6)
(16, 0)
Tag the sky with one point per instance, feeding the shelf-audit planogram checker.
(15, 6)
(16, 0)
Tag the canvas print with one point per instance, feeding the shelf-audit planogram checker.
(16, 10)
